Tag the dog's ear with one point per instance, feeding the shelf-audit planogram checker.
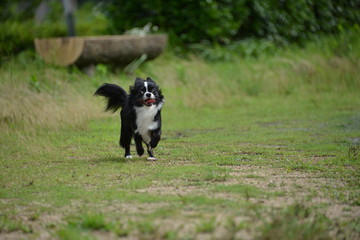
(138, 81)
(150, 80)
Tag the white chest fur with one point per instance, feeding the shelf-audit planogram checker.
(145, 121)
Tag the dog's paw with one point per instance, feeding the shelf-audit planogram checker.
(153, 143)
(128, 157)
(140, 152)
(151, 158)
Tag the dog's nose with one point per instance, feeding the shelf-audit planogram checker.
(148, 95)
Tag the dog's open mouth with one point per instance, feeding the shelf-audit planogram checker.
(149, 102)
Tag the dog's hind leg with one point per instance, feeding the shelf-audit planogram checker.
(125, 140)
(138, 143)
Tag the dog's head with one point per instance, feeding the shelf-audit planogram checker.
(146, 92)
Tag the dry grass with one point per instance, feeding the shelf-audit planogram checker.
(28, 109)
(44, 100)
(299, 72)
(35, 95)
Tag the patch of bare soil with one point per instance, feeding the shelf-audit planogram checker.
(12, 235)
(289, 187)
(173, 190)
(308, 188)
(285, 188)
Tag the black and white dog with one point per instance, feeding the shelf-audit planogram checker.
(140, 114)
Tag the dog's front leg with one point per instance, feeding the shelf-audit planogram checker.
(155, 137)
(138, 143)
(150, 152)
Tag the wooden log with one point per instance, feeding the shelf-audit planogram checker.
(60, 51)
(118, 50)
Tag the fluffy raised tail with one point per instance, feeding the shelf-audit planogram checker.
(116, 96)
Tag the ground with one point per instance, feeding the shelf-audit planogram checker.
(238, 172)
(264, 147)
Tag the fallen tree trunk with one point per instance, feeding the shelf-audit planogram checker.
(118, 50)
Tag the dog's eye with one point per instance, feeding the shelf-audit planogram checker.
(141, 92)
(154, 90)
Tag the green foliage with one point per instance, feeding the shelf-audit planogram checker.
(294, 21)
(225, 21)
(17, 9)
(34, 82)
(19, 30)
(186, 21)
(15, 37)
(223, 27)
(250, 47)
(90, 20)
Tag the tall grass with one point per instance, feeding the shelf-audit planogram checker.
(329, 64)
(34, 95)
(45, 98)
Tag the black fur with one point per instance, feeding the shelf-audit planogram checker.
(140, 114)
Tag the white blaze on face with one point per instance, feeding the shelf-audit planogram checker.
(146, 86)
(145, 97)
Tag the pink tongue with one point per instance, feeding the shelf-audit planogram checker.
(150, 100)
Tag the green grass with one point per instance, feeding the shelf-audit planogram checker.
(206, 226)
(266, 147)
(8, 225)
(296, 222)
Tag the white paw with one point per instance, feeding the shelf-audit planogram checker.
(128, 157)
(151, 158)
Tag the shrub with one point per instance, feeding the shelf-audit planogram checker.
(227, 20)
(19, 29)
(296, 20)
(213, 22)
(185, 20)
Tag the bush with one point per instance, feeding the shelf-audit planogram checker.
(250, 47)
(214, 23)
(223, 21)
(14, 37)
(185, 20)
(19, 30)
(297, 20)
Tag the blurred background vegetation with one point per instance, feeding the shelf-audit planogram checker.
(229, 48)
(215, 29)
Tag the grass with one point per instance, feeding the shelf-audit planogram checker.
(8, 225)
(206, 226)
(296, 222)
(266, 148)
